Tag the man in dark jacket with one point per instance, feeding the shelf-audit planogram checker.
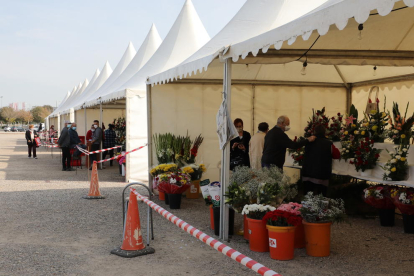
(96, 141)
(317, 163)
(276, 143)
(75, 140)
(64, 143)
(239, 147)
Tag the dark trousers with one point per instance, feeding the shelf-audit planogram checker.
(111, 154)
(31, 147)
(66, 157)
(315, 188)
(93, 157)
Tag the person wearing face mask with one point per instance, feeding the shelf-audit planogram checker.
(31, 134)
(276, 143)
(96, 141)
(239, 147)
(75, 140)
(64, 143)
(256, 146)
(52, 132)
(89, 133)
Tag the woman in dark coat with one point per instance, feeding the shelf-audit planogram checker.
(239, 147)
(31, 134)
(317, 163)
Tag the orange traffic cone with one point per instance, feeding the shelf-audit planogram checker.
(133, 244)
(94, 192)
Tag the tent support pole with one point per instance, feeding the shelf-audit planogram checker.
(348, 87)
(101, 120)
(149, 135)
(225, 158)
(253, 105)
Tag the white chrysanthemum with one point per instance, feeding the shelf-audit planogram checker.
(347, 151)
(405, 150)
(395, 131)
(393, 161)
(398, 157)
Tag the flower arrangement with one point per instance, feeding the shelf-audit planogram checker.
(173, 182)
(378, 197)
(297, 154)
(396, 168)
(350, 125)
(194, 170)
(256, 211)
(282, 218)
(318, 118)
(319, 209)
(348, 150)
(291, 207)
(366, 156)
(404, 199)
(194, 149)
(164, 168)
(274, 187)
(400, 127)
(120, 130)
(237, 197)
(377, 121)
(163, 147)
(334, 130)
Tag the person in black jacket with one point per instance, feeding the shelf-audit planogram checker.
(75, 140)
(317, 163)
(276, 143)
(64, 143)
(239, 147)
(31, 134)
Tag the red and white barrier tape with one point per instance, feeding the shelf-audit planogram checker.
(82, 150)
(221, 247)
(52, 146)
(115, 157)
(102, 150)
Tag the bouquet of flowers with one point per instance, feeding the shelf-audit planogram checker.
(334, 130)
(120, 130)
(256, 211)
(319, 209)
(378, 196)
(164, 168)
(366, 155)
(318, 118)
(297, 154)
(291, 207)
(400, 127)
(377, 123)
(396, 168)
(164, 147)
(194, 170)
(350, 126)
(173, 182)
(348, 150)
(282, 218)
(194, 149)
(404, 199)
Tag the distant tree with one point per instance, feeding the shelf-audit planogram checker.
(24, 116)
(49, 108)
(39, 113)
(8, 114)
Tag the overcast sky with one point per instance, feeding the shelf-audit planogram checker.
(48, 46)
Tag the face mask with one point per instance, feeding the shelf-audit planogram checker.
(239, 129)
(95, 126)
(93, 130)
(31, 129)
(69, 125)
(74, 128)
(287, 128)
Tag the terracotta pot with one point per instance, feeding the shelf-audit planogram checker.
(161, 196)
(281, 242)
(258, 235)
(318, 238)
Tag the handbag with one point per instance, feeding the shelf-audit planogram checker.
(37, 141)
(372, 105)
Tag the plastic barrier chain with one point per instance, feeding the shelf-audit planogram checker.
(102, 150)
(221, 247)
(115, 157)
(52, 146)
(82, 150)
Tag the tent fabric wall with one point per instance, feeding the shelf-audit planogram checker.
(93, 114)
(179, 108)
(401, 92)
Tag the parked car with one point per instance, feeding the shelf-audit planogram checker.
(13, 129)
(6, 128)
(20, 129)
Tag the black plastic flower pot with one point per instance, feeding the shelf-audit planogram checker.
(387, 217)
(167, 200)
(216, 211)
(175, 201)
(408, 221)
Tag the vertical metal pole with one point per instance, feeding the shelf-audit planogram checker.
(101, 119)
(225, 159)
(348, 97)
(149, 135)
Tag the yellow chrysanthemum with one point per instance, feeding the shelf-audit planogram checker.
(403, 159)
(373, 112)
(374, 128)
(362, 132)
(346, 132)
(394, 169)
(402, 136)
(203, 167)
(353, 125)
(383, 114)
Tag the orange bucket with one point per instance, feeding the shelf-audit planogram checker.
(211, 217)
(300, 241)
(281, 242)
(245, 228)
(161, 195)
(258, 236)
(194, 191)
(318, 238)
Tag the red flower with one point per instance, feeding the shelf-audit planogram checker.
(339, 114)
(367, 150)
(377, 155)
(367, 139)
